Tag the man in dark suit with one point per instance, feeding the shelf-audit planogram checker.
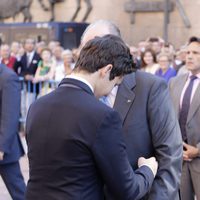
(10, 145)
(28, 63)
(26, 67)
(185, 92)
(149, 123)
(75, 143)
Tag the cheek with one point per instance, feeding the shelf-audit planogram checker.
(198, 61)
(148, 59)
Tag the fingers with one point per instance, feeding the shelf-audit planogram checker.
(1, 155)
(150, 162)
(185, 145)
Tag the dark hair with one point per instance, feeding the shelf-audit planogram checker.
(194, 39)
(101, 51)
(143, 64)
(153, 39)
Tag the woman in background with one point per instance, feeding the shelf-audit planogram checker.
(165, 71)
(45, 71)
(148, 61)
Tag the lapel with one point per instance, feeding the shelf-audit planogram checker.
(178, 90)
(194, 104)
(1, 68)
(78, 84)
(125, 96)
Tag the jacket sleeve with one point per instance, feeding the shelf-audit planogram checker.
(10, 111)
(112, 162)
(167, 141)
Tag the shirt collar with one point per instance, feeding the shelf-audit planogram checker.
(197, 75)
(76, 77)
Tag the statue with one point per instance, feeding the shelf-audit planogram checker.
(52, 6)
(10, 8)
(89, 9)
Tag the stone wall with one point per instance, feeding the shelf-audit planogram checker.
(146, 24)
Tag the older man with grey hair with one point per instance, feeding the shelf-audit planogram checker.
(149, 122)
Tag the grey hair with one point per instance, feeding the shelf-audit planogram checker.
(67, 52)
(113, 29)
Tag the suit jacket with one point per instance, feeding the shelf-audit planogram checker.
(75, 145)
(10, 142)
(22, 64)
(192, 125)
(151, 129)
(22, 69)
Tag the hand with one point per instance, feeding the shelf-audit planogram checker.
(150, 162)
(1, 155)
(28, 77)
(35, 80)
(189, 152)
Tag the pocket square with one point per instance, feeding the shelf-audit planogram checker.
(34, 61)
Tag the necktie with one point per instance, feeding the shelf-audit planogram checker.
(185, 108)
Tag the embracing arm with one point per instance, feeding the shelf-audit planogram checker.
(112, 162)
(167, 141)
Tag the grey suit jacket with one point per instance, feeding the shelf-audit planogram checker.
(151, 129)
(193, 120)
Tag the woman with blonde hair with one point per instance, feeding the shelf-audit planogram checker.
(165, 70)
(45, 71)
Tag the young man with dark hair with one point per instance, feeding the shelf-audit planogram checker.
(75, 142)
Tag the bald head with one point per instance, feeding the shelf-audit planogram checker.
(99, 28)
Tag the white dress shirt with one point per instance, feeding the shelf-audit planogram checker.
(195, 85)
(29, 56)
(76, 77)
(109, 100)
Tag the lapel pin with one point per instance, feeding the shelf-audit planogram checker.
(128, 101)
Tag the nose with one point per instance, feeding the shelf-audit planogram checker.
(189, 55)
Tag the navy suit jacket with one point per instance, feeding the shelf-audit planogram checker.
(75, 146)
(10, 142)
(151, 128)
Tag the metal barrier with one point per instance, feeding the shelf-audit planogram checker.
(32, 91)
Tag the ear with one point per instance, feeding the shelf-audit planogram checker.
(105, 71)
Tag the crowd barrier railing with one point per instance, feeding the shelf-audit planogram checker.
(32, 91)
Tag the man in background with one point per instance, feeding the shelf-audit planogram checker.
(185, 92)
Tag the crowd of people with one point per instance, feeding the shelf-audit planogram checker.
(39, 61)
(158, 116)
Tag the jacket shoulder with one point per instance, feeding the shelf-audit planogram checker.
(148, 78)
(174, 80)
(7, 72)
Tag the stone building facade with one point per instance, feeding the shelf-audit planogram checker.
(146, 24)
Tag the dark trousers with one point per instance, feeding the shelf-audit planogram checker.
(13, 179)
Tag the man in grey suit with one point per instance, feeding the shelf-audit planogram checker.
(149, 123)
(185, 92)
